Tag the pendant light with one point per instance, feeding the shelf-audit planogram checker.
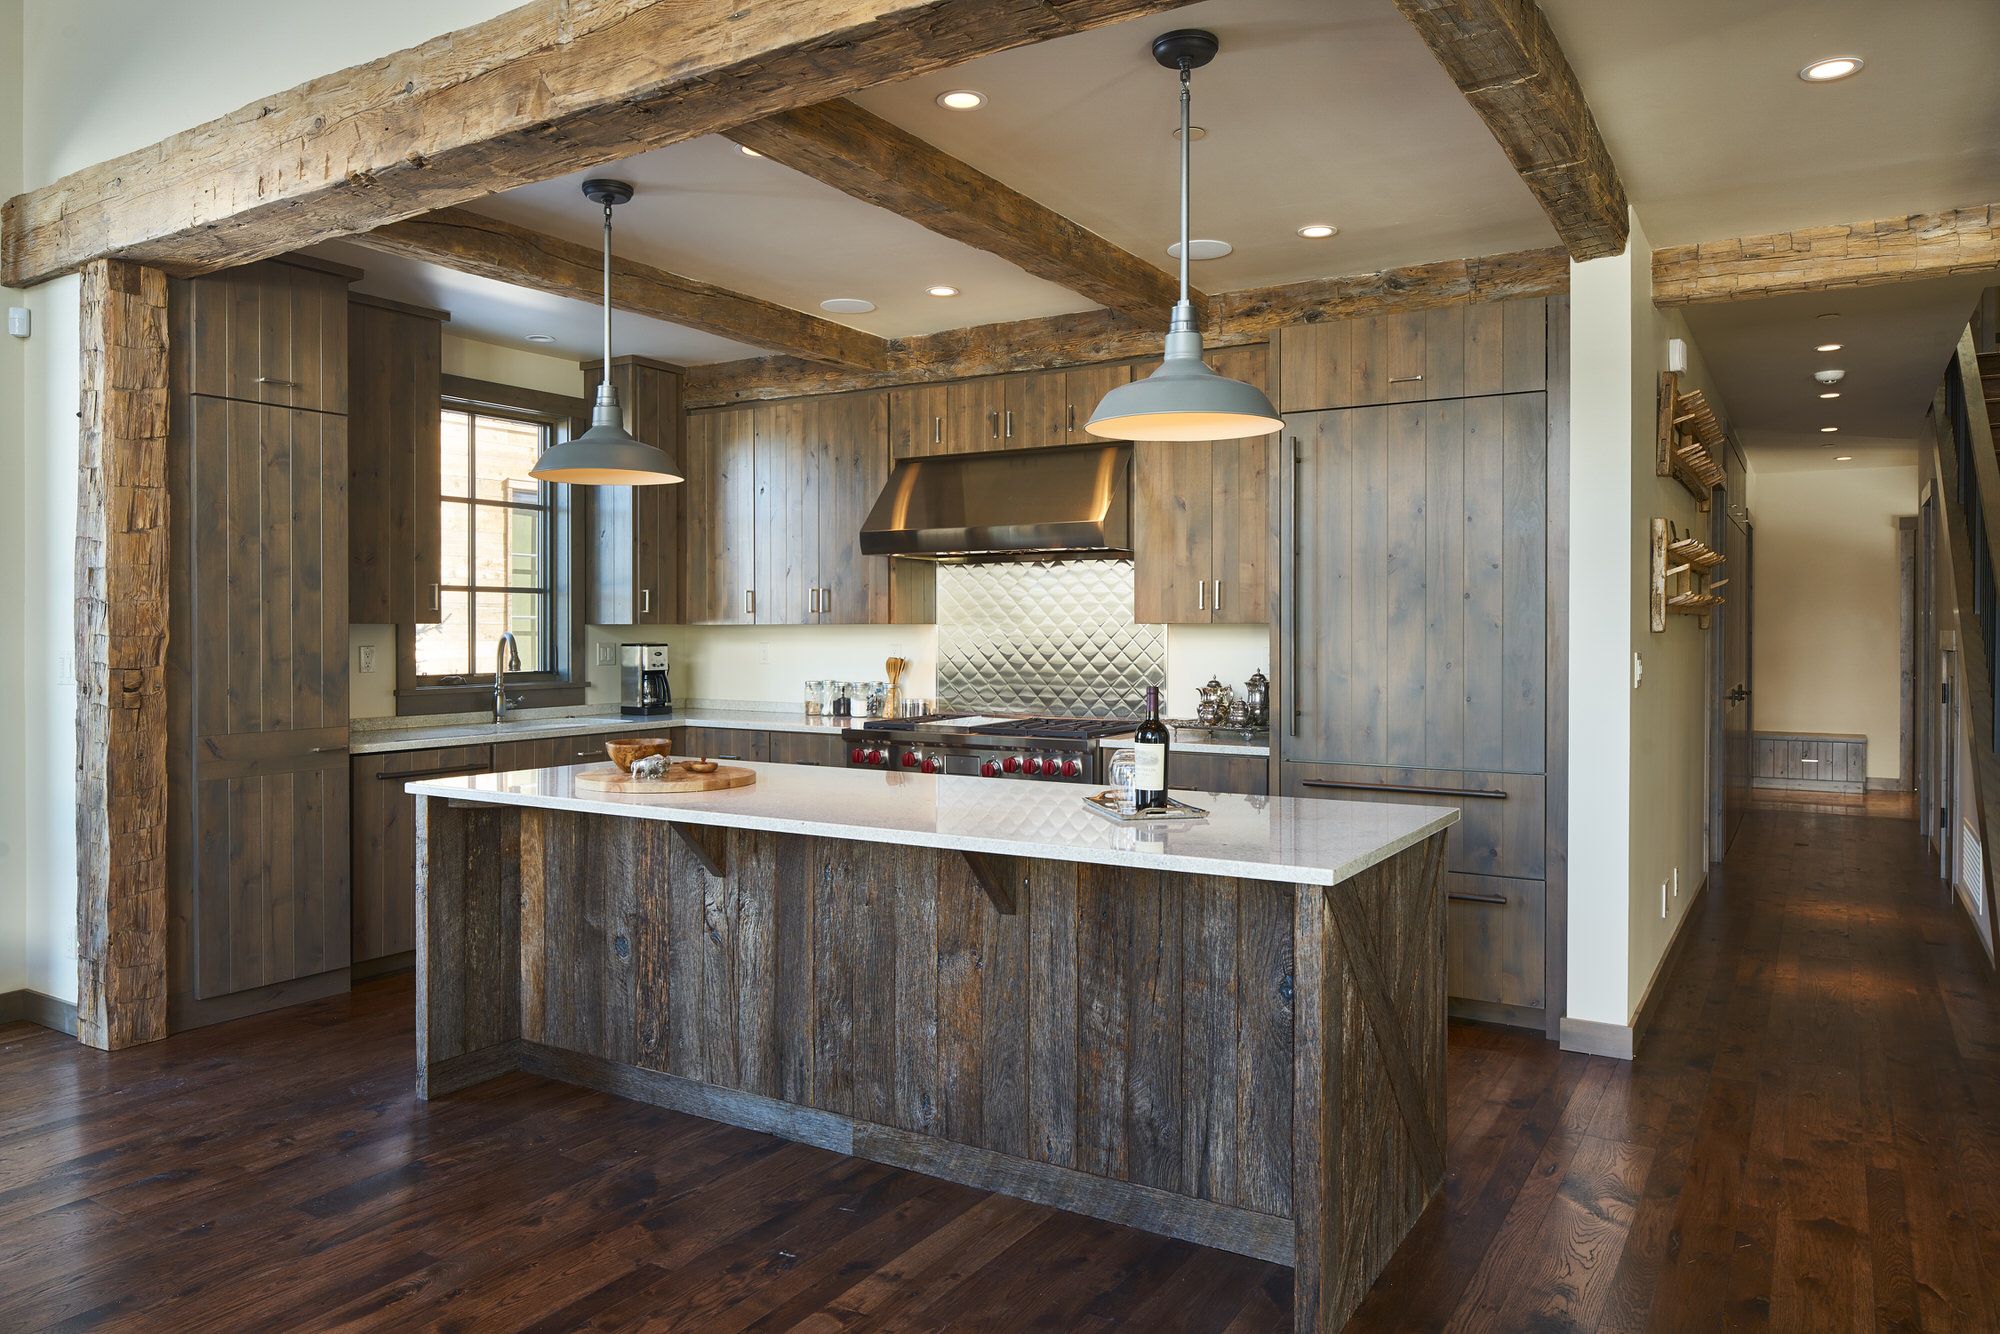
(1183, 399)
(606, 454)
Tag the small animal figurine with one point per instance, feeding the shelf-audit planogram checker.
(650, 767)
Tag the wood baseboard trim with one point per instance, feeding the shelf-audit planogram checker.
(1808, 785)
(1593, 1038)
(388, 963)
(185, 1012)
(437, 1078)
(1495, 1012)
(30, 1006)
(1241, 1231)
(1888, 785)
(1621, 1041)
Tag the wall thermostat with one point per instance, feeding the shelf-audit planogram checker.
(17, 321)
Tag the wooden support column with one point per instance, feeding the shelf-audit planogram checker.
(121, 645)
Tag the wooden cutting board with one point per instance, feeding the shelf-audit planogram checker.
(611, 779)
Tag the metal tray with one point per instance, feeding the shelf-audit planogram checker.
(1105, 803)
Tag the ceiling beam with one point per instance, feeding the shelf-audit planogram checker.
(489, 248)
(540, 91)
(860, 154)
(1504, 58)
(1104, 335)
(1814, 259)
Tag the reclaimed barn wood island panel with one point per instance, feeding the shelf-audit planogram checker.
(1230, 1032)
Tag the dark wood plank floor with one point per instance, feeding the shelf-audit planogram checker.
(1808, 1141)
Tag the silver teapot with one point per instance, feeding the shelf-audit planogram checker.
(1213, 710)
(1257, 699)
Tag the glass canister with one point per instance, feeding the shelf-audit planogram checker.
(815, 698)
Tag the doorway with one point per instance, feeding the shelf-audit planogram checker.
(1731, 731)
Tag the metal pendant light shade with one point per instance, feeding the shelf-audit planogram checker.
(1184, 399)
(606, 454)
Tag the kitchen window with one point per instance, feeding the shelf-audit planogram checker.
(506, 546)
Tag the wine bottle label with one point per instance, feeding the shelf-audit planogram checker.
(1150, 771)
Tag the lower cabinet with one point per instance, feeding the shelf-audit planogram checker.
(742, 744)
(1496, 918)
(384, 848)
(1198, 772)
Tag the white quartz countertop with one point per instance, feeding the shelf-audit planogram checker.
(1285, 839)
(418, 735)
(1195, 745)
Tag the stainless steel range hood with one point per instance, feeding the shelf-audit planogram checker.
(1064, 500)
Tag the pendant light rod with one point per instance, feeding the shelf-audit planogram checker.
(607, 287)
(1183, 309)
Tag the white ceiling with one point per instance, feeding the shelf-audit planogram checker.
(1715, 134)
(1894, 339)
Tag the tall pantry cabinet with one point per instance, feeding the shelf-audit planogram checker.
(1420, 600)
(257, 657)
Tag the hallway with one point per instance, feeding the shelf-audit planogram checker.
(1807, 1141)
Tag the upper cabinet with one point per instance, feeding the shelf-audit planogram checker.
(1201, 520)
(393, 372)
(1023, 411)
(271, 332)
(718, 550)
(635, 531)
(1451, 352)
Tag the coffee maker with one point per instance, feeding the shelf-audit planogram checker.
(642, 681)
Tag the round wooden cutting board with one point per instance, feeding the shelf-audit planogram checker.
(678, 779)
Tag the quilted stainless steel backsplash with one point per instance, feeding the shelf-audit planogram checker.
(1045, 637)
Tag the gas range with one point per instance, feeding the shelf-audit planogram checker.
(985, 745)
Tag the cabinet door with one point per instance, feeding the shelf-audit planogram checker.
(1034, 410)
(383, 847)
(1241, 543)
(1084, 387)
(916, 420)
(851, 435)
(973, 415)
(1416, 620)
(1172, 519)
(392, 465)
(787, 528)
(635, 530)
(719, 533)
(268, 333)
(1450, 352)
(817, 748)
(721, 743)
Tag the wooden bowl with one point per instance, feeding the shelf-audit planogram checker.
(625, 751)
(701, 766)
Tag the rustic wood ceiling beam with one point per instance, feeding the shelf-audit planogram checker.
(860, 154)
(1504, 58)
(1104, 335)
(537, 92)
(489, 248)
(1815, 259)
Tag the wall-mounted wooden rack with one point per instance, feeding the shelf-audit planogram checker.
(1689, 441)
(1681, 576)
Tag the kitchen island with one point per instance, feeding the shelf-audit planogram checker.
(1229, 1031)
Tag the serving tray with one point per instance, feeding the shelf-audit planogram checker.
(611, 779)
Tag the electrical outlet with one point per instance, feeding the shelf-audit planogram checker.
(607, 654)
(65, 671)
(367, 656)
(764, 652)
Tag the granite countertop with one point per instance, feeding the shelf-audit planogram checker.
(1259, 838)
(376, 735)
(1195, 746)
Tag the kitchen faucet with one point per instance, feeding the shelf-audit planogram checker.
(506, 658)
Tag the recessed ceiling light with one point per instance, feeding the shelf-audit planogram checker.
(1827, 347)
(942, 289)
(1833, 67)
(1316, 231)
(1199, 249)
(961, 99)
(747, 151)
(1829, 315)
(541, 338)
(1831, 393)
(847, 305)
(1828, 430)
(1195, 133)
(1843, 458)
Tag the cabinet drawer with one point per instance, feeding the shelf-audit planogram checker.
(1501, 816)
(1493, 939)
(1193, 771)
(721, 743)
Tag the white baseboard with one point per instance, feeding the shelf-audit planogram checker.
(1593, 1038)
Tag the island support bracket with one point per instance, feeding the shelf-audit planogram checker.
(997, 875)
(708, 844)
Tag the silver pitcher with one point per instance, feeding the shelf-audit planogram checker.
(1257, 699)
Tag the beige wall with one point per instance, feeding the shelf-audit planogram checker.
(1827, 624)
(511, 365)
(13, 557)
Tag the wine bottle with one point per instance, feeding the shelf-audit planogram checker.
(1149, 746)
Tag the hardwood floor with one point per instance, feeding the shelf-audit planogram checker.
(1808, 1140)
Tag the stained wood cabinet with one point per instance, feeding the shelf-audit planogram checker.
(1201, 521)
(719, 551)
(635, 531)
(384, 841)
(394, 370)
(272, 332)
(1026, 410)
(1201, 771)
(1416, 356)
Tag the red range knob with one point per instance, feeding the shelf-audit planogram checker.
(1034, 765)
(930, 766)
(857, 756)
(1071, 768)
(910, 759)
(988, 769)
(1011, 763)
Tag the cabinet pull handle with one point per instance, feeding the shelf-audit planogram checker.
(1201, 595)
(1416, 788)
(1500, 899)
(749, 602)
(937, 430)
(1291, 682)
(1404, 379)
(826, 600)
(329, 750)
(1216, 604)
(274, 380)
(449, 771)
(1010, 423)
(435, 604)
(645, 601)
(993, 424)
(1072, 416)
(815, 599)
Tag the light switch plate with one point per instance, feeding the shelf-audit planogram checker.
(607, 655)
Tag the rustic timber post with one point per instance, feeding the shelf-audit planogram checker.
(121, 644)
